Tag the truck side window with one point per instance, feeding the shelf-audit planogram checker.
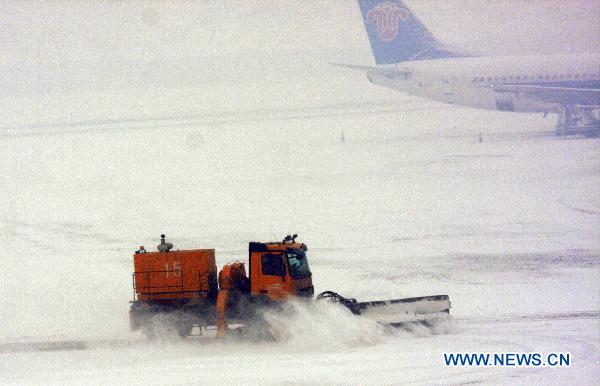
(272, 265)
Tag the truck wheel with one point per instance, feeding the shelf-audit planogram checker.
(148, 330)
(164, 326)
(184, 327)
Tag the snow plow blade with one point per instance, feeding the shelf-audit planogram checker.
(396, 312)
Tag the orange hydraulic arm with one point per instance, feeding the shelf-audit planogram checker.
(232, 279)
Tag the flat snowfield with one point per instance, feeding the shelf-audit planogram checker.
(409, 203)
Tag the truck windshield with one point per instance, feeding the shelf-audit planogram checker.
(298, 264)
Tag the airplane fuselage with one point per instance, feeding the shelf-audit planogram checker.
(469, 81)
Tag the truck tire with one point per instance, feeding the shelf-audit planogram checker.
(166, 326)
(149, 331)
(184, 327)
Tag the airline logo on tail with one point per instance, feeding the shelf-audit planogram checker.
(386, 16)
(397, 35)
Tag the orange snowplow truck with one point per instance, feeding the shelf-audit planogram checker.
(176, 290)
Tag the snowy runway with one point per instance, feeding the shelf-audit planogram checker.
(409, 357)
(410, 204)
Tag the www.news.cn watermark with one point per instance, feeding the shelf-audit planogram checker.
(507, 359)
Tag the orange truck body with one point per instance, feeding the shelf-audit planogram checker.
(176, 275)
(182, 284)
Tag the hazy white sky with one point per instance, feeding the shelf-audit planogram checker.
(54, 32)
(95, 42)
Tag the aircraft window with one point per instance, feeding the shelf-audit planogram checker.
(511, 77)
(561, 76)
(540, 77)
(554, 76)
(547, 76)
(518, 78)
(569, 76)
(576, 76)
(489, 78)
(504, 78)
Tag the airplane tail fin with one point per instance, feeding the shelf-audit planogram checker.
(397, 35)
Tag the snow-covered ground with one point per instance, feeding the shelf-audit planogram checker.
(409, 204)
(221, 122)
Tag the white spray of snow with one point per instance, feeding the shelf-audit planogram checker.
(324, 326)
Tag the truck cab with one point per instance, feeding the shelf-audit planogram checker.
(280, 269)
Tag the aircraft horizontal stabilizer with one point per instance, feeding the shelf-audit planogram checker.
(381, 71)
